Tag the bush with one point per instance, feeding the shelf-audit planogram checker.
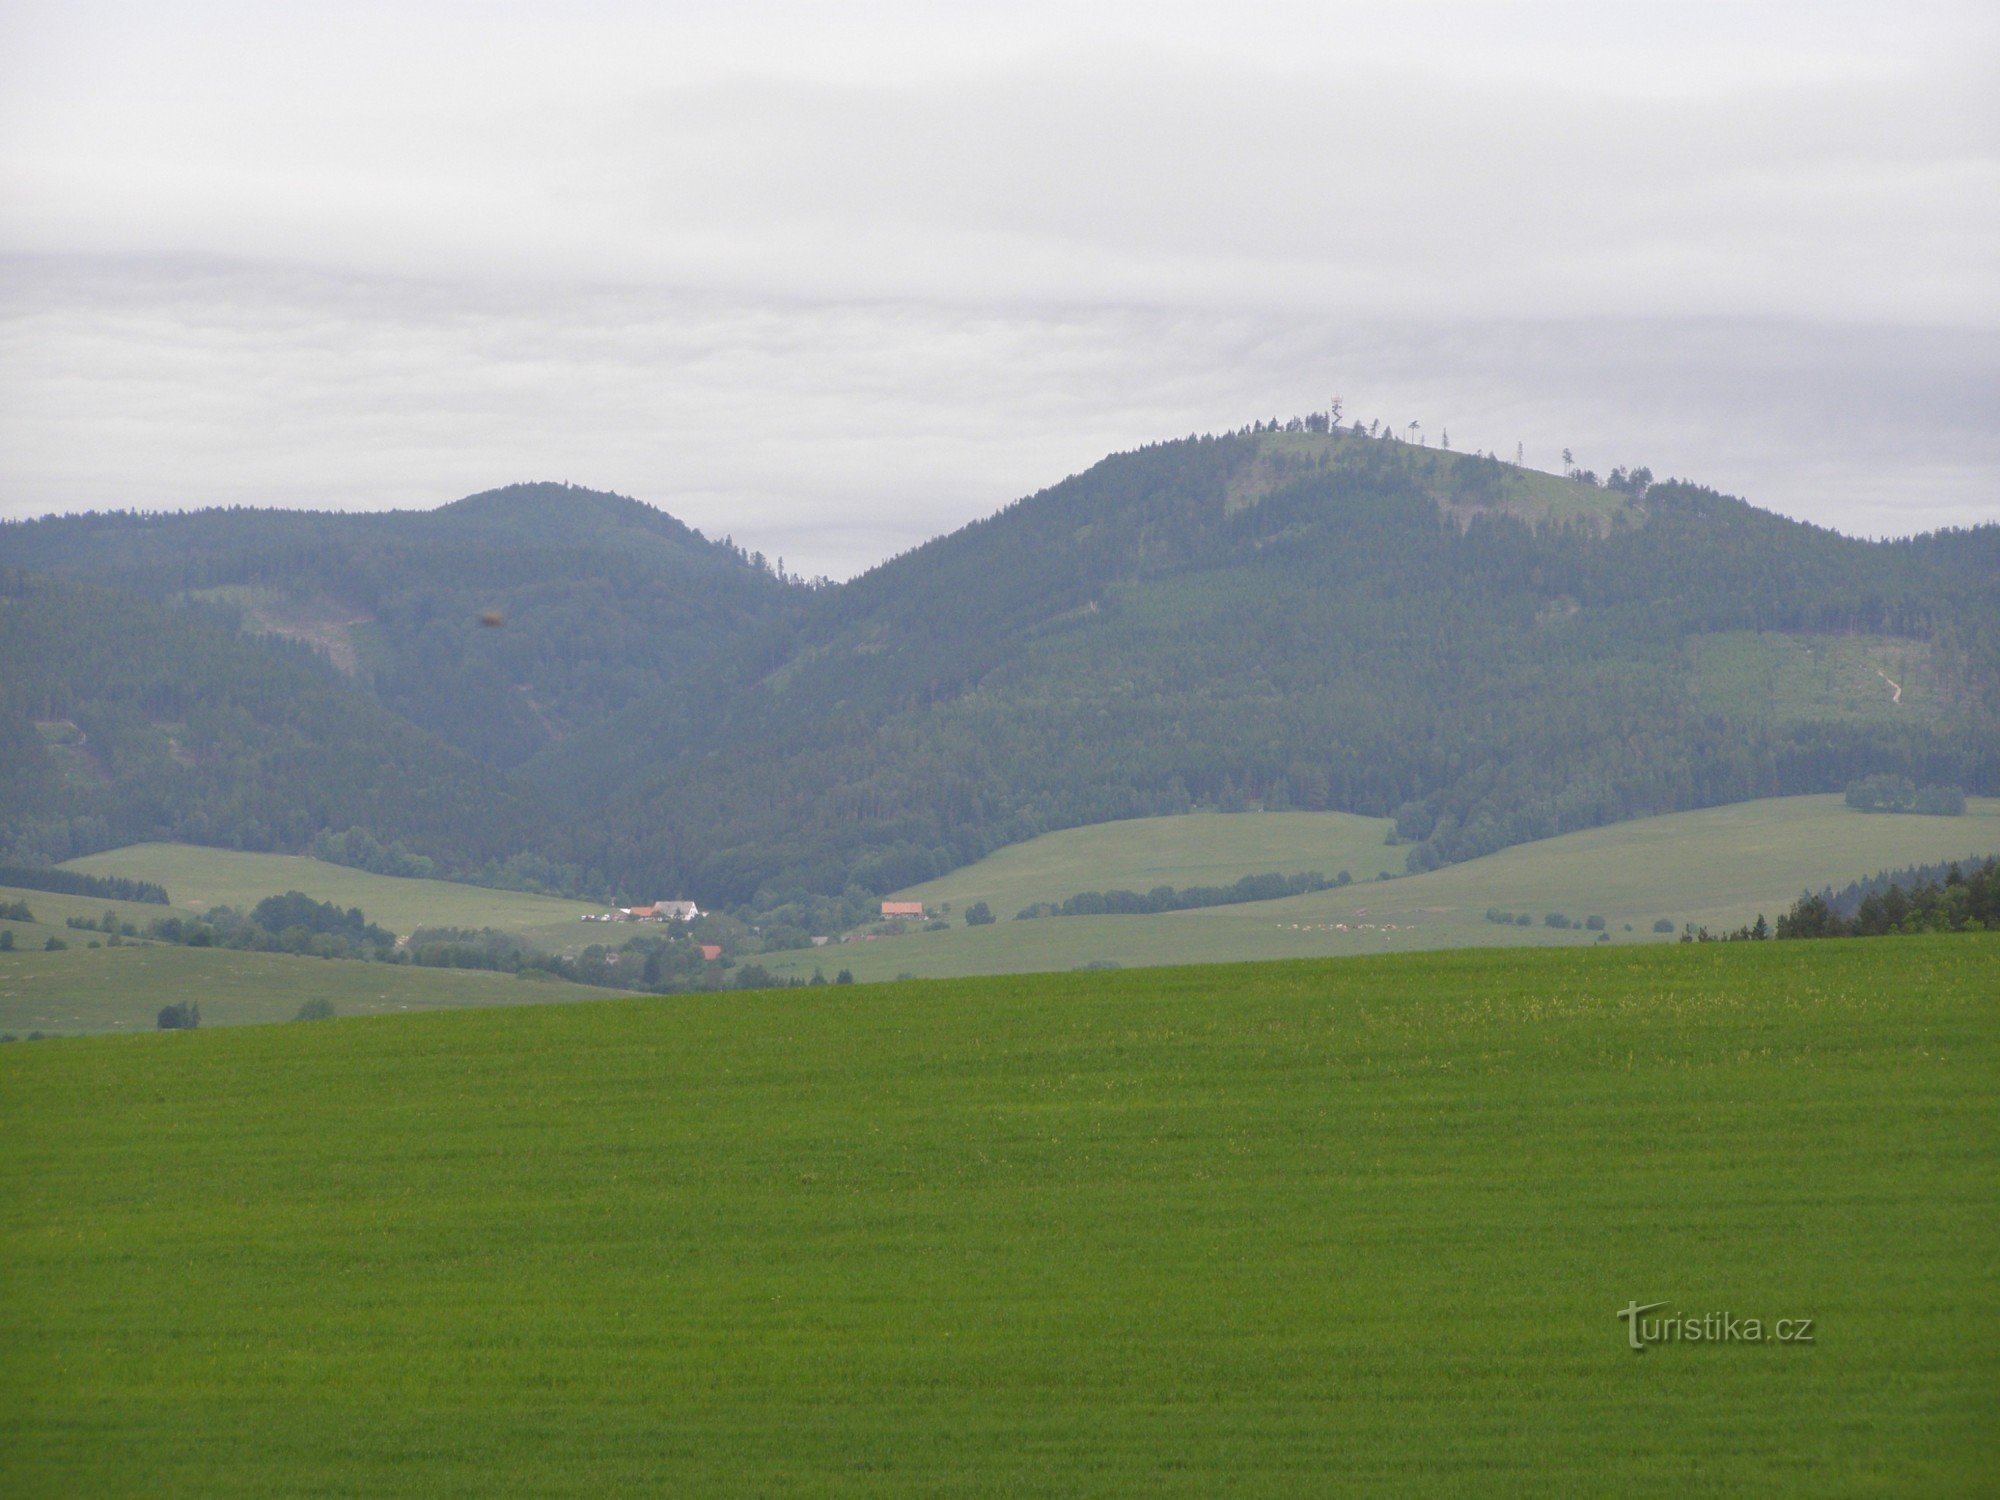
(183, 1015)
(1900, 794)
(979, 914)
(315, 1010)
(1524, 920)
(54, 945)
(1665, 924)
(1594, 924)
(1940, 802)
(1414, 822)
(845, 976)
(1881, 794)
(1555, 919)
(6, 942)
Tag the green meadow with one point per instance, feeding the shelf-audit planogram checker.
(1718, 868)
(1338, 1227)
(1204, 848)
(197, 878)
(124, 988)
(1796, 679)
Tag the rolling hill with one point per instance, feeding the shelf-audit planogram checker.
(124, 720)
(1716, 868)
(196, 879)
(602, 599)
(1315, 621)
(1287, 618)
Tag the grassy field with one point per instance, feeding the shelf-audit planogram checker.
(123, 989)
(1801, 678)
(1531, 494)
(1141, 853)
(1717, 868)
(197, 878)
(1351, 1227)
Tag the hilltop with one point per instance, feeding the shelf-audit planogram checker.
(602, 599)
(1301, 620)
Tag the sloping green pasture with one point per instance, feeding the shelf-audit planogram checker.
(1718, 868)
(197, 878)
(124, 988)
(1356, 1227)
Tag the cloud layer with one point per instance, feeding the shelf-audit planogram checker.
(835, 288)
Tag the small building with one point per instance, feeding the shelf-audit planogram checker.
(710, 952)
(660, 911)
(903, 909)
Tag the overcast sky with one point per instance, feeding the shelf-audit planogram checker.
(836, 279)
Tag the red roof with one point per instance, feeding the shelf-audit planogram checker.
(710, 952)
(902, 908)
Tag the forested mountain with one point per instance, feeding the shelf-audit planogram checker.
(1287, 617)
(1308, 620)
(123, 720)
(604, 600)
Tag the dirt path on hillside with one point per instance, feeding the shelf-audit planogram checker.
(1895, 696)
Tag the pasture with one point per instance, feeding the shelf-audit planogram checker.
(1204, 848)
(197, 878)
(1718, 867)
(124, 988)
(1337, 1227)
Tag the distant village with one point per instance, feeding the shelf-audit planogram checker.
(659, 911)
(894, 912)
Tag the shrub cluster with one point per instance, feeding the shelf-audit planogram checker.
(1900, 794)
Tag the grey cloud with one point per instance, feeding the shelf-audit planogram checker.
(833, 433)
(837, 284)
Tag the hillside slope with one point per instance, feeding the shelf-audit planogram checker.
(1287, 619)
(123, 720)
(1300, 620)
(1716, 868)
(603, 599)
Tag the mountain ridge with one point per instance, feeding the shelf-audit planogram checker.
(1275, 616)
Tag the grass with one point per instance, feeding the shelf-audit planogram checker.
(1336, 1227)
(1718, 867)
(1141, 853)
(1814, 678)
(123, 988)
(1532, 494)
(197, 878)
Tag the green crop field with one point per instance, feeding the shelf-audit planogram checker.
(124, 988)
(1717, 868)
(197, 878)
(1357, 1226)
